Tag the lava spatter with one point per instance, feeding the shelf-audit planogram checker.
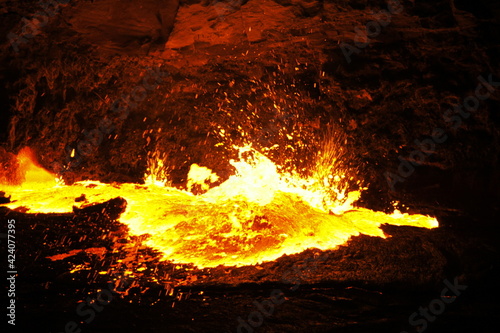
(258, 214)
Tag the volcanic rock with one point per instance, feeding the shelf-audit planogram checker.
(123, 26)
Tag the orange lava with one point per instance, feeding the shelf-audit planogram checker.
(257, 215)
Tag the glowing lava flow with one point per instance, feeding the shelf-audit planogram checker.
(256, 215)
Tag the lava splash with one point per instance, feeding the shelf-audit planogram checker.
(258, 214)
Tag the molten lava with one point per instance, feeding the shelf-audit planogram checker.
(256, 215)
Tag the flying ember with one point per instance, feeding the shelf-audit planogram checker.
(258, 214)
